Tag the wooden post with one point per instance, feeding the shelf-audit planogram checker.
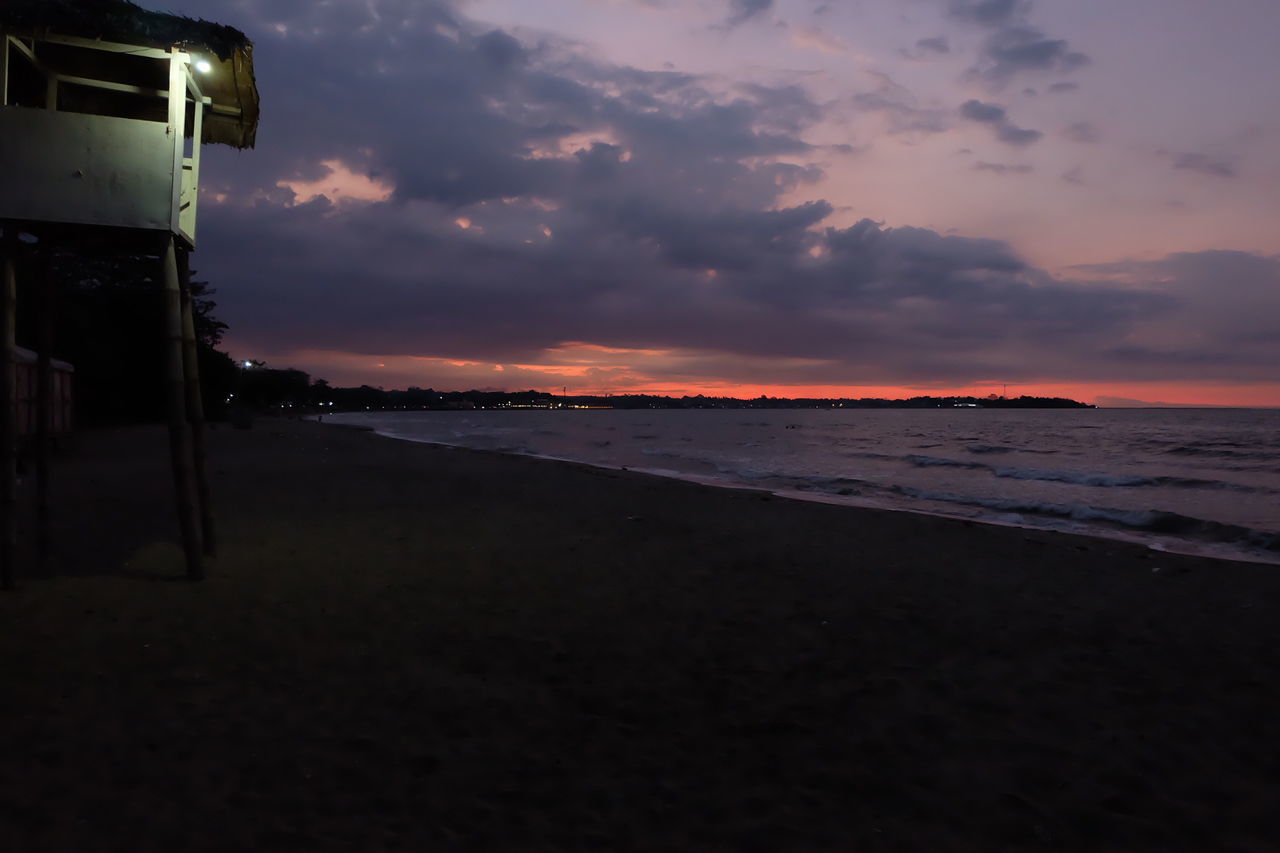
(4, 68)
(44, 400)
(195, 405)
(8, 425)
(179, 437)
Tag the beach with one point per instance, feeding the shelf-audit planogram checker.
(405, 646)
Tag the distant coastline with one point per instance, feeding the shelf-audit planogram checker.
(368, 398)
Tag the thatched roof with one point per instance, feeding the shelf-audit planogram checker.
(231, 84)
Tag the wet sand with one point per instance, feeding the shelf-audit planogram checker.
(411, 647)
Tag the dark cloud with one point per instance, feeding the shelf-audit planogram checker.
(1074, 175)
(1013, 46)
(1020, 136)
(1015, 49)
(996, 116)
(985, 12)
(978, 111)
(741, 11)
(1223, 320)
(936, 45)
(1205, 164)
(1060, 88)
(909, 303)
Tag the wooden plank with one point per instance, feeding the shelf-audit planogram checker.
(27, 51)
(44, 401)
(110, 86)
(4, 69)
(180, 455)
(108, 46)
(189, 177)
(195, 406)
(85, 169)
(8, 427)
(176, 129)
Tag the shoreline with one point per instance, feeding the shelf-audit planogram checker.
(1155, 542)
(406, 645)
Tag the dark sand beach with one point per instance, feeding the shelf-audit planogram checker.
(408, 647)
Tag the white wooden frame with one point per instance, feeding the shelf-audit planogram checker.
(183, 89)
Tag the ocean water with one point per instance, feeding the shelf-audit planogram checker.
(1201, 481)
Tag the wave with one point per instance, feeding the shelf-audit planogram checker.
(1043, 474)
(1149, 520)
(1078, 478)
(1000, 448)
(1084, 478)
(1218, 452)
(942, 462)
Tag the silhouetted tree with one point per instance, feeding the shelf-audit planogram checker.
(109, 323)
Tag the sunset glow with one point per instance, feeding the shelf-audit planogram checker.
(775, 197)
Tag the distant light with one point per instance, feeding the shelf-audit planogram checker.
(248, 364)
(203, 66)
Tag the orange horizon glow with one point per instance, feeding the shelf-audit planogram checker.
(594, 370)
(1106, 395)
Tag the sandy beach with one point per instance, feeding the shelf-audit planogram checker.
(410, 647)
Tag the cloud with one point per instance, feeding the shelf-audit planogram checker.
(1002, 168)
(541, 202)
(899, 105)
(935, 45)
(741, 11)
(997, 117)
(1074, 175)
(1205, 164)
(1019, 136)
(1013, 46)
(907, 303)
(985, 12)
(1081, 131)
(1223, 320)
(812, 38)
(978, 111)
(1061, 88)
(1016, 49)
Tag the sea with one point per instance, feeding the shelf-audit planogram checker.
(1192, 481)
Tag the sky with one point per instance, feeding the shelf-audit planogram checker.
(745, 197)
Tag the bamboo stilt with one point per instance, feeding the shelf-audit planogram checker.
(195, 405)
(44, 404)
(8, 424)
(179, 435)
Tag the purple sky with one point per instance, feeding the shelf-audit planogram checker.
(758, 196)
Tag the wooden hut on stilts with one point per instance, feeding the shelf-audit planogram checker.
(103, 110)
